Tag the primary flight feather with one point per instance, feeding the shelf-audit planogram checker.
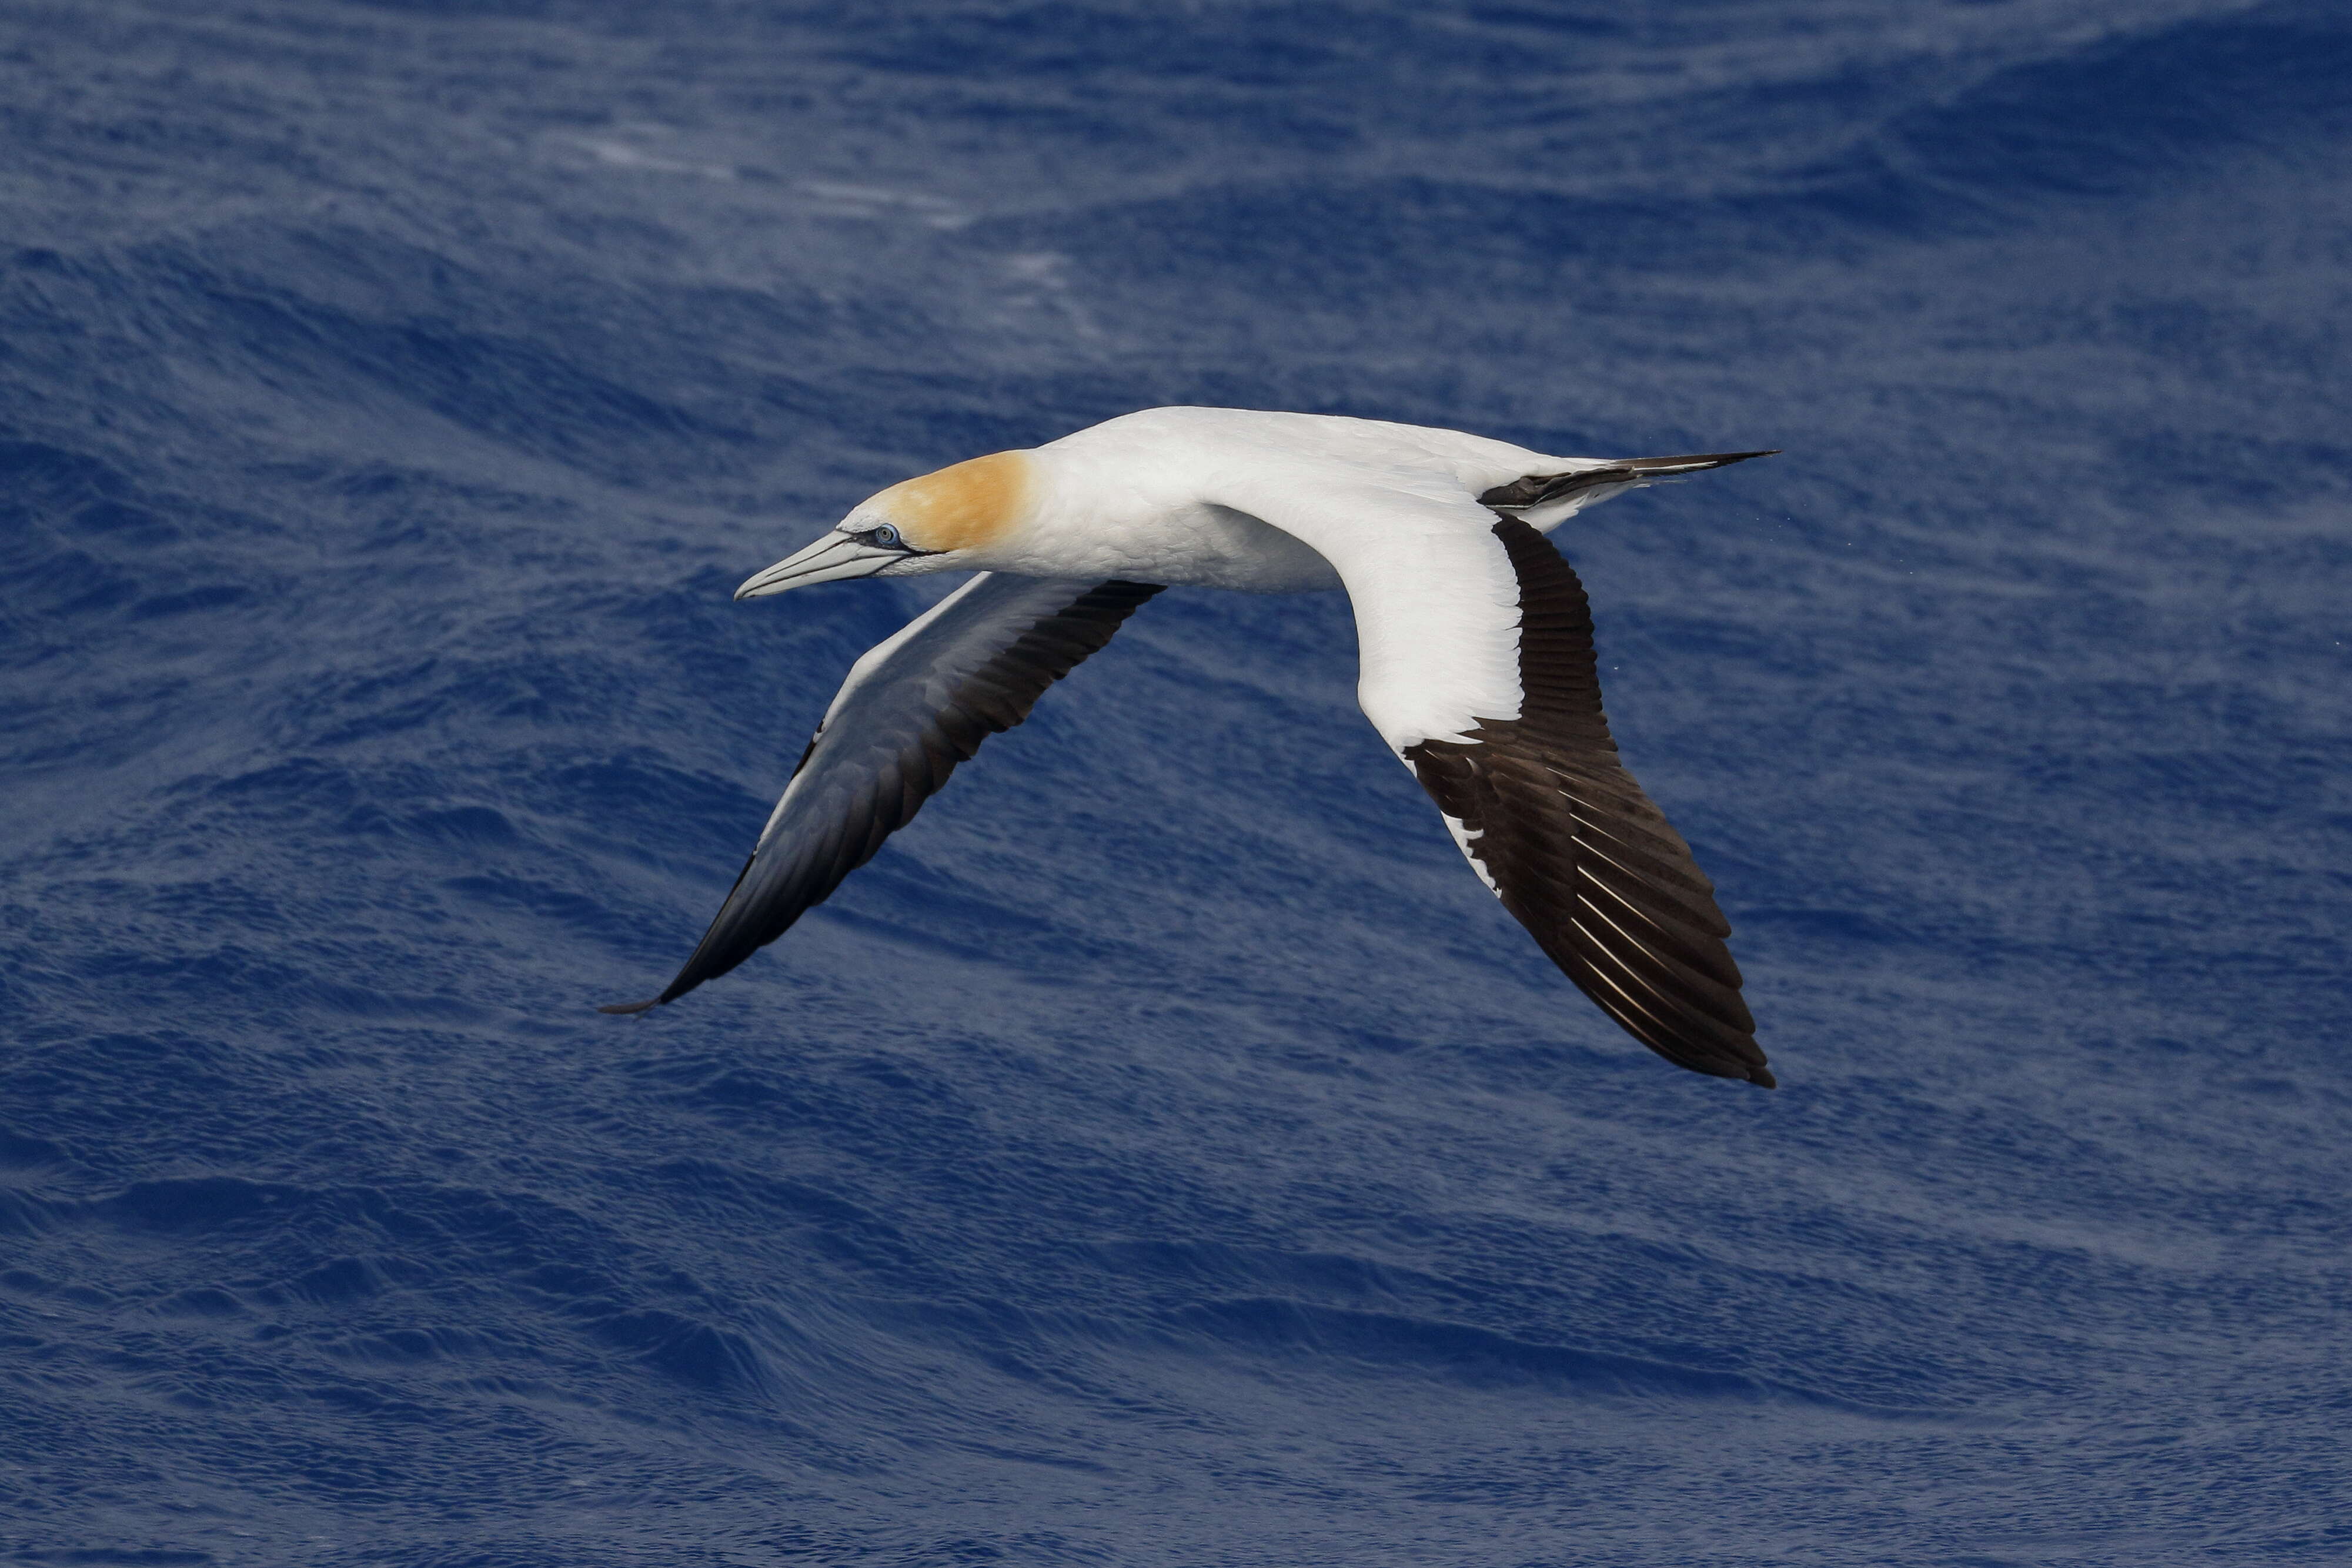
(1477, 669)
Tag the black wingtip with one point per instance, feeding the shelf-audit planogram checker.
(627, 1008)
(1753, 1073)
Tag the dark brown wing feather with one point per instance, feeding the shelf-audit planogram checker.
(1579, 855)
(896, 733)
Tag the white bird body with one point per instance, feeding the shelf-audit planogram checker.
(1147, 495)
(1476, 667)
(1168, 477)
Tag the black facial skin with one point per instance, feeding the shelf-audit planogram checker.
(886, 537)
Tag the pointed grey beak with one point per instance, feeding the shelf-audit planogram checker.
(831, 559)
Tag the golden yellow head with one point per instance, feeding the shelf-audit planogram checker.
(918, 525)
(966, 505)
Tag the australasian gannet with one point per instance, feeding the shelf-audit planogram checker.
(1477, 669)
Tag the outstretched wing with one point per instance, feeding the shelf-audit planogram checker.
(1478, 670)
(913, 707)
(1577, 853)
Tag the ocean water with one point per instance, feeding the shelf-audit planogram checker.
(1165, 1153)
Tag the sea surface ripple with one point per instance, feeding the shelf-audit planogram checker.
(1165, 1153)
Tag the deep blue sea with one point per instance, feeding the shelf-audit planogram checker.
(1165, 1153)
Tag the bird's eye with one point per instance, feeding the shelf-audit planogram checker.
(886, 536)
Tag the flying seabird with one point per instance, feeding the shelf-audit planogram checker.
(1477, 669)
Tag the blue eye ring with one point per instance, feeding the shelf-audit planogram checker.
(885, 535)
